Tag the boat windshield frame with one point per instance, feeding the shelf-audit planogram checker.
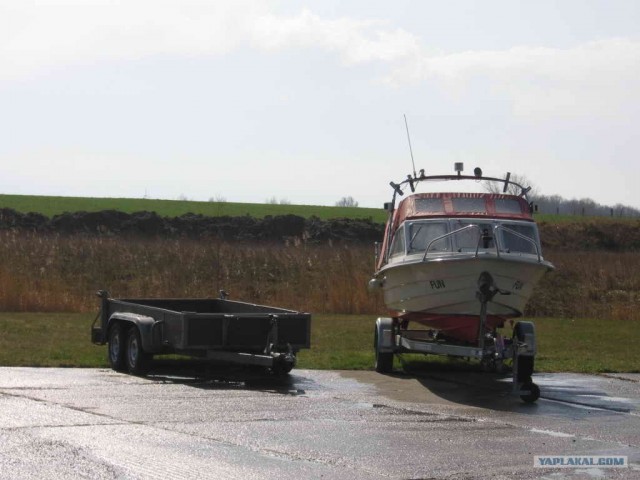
(491, 230)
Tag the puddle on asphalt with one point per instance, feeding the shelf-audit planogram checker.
(552, 433)
(216, 377)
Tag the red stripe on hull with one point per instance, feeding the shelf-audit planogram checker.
(461, 327)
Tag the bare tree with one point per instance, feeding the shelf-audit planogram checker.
(274, 201)
(347, 202)
(495, 187)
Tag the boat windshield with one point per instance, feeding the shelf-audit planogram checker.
(510, 242)
(397, 246)
(423, 233)
(469, 239)
(510, 236)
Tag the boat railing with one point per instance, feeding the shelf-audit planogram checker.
(482, 236)
(451, 234)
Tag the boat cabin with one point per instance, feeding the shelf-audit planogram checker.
(431, 224)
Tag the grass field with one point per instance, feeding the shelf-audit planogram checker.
(50, 206)
(338, 342)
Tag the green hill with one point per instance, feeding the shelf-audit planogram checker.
(50, 206)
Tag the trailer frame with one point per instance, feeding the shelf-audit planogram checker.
(491, 348)
(219, 329)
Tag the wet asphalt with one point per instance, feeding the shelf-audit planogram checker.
(197, 422)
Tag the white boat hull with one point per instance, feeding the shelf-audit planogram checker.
(449, 285)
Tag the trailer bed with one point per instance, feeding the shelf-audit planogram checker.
(213, 328)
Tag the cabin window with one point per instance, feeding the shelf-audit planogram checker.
(471, 238)
(397, 244)
(429, 205)
(423, 233)
(508, 205)
(464, 204)
(512, 243)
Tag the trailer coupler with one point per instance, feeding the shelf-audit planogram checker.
(272, 335)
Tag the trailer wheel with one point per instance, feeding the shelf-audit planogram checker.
(384, 360)
(283, 365)
(525, 362)
(534, 392)
(116, 348)
(138, 361)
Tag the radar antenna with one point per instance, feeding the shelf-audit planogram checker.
(410, 149)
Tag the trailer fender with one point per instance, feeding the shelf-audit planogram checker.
(384, 335)
(144, 324)
(525, 335)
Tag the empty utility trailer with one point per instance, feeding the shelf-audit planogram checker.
(216, 329)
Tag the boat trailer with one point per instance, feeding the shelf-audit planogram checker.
(392, 337)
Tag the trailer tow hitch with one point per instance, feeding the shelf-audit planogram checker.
(283, 362)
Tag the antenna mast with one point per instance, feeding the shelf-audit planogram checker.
(410, 149)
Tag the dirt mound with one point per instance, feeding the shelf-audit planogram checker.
(598, 234)
(29, 221)
(150, 224)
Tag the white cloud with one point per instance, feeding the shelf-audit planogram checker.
(356, 41)
(598, 77)
(593, 78)
(36, 36)
(47, 34)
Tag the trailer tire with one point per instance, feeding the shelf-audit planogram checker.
(117, 347)
(525, 362)
(384, 362)
(534, 392)
(138, 361)
(283, 365)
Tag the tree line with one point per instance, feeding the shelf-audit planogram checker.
(555, 204)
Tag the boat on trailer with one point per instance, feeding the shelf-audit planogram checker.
(457, 266)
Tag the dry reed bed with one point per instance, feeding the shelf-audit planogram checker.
(61, 273)
(590, 284)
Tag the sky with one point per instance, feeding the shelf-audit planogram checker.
(304, 101)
